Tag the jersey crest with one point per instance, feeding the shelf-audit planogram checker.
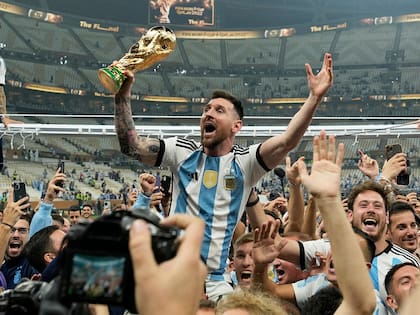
(210, 179)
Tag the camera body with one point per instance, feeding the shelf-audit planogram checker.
(96, 263)
(95, 267)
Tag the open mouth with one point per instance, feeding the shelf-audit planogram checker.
(209, 128)
(370, 222)
(245, 275)
(15, 245)
(280, 273)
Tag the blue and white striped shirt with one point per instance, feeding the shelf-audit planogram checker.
(214, 188)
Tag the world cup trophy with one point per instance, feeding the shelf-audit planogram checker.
(155, 45)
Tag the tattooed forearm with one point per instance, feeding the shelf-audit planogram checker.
(143, 149)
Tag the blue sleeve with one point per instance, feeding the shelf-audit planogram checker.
(142, 201)
(41, 218)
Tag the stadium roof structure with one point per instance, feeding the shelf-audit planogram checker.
(371, 127)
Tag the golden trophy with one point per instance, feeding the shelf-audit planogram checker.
(155, 45)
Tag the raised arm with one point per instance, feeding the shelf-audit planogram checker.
(264, 251)
(309, 219)
(296, 205)
(349, 262)
(143, 149)
(275, 149)
(11, 214)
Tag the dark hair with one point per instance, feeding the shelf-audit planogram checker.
(57, 217)
(399, 207)
(366, 186)
(237, 104)
(87, 205)
(26, 217)
(390, 274)
(324, 302)
(39, 244)
(369, 241)
(74, 208)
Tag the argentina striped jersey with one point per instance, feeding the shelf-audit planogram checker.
(214, 188)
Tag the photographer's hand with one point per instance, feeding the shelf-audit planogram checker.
(52, 189)
(178, 282)
(394, 166)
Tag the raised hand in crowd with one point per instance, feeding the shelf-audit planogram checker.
(349, 262)
(296, 207)
(265, 249)
(413, 200)
(132, 197)
(367, 165)
(394, 166)
(179, 281)
(54, 187)
(278, 205)
(148, 185)
(320, 83)
(11, 215)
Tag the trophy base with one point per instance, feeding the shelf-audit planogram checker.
(111, 78)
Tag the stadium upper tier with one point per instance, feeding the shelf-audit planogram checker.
(52, 68)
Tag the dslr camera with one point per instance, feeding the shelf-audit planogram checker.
(96, 263)
(95, 267)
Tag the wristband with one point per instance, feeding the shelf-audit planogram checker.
(253, 203)
(7, 224)
(293, 184)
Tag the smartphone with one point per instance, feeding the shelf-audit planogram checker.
(134, 187)
(403, 178)
(19, 190)
(165, 183)
(60, 166)
(392, 149)
(158, 183)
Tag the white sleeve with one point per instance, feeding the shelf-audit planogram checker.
(310, 248)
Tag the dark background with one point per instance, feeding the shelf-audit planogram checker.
(237, 13)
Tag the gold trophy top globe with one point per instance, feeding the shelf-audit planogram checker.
(154, 46)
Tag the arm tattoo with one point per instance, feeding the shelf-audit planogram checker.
(143, 149)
